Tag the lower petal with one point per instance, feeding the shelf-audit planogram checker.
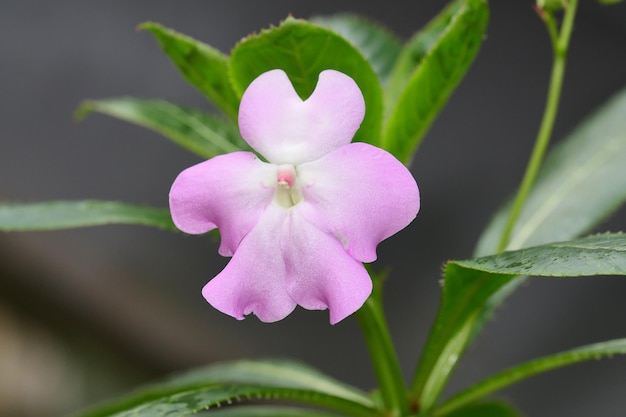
(319, 271)
(254, 281)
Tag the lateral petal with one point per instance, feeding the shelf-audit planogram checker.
(320, 273)
(361, 194)
(229, 192)
(275, 121)
(254, 281)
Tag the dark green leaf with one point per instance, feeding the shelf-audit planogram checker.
(265, 411)
(203, 66)
(184, 402)
(303, 50)
(483, 409)
(529, 369)
(603, 254)
(272, 373)
(582, 182)
(468, 285)
(379, 46)
(428, 70)
(194, 400)
(54, 215)
(194, 130)
(232, 383)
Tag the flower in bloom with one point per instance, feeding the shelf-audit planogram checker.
(300, 224)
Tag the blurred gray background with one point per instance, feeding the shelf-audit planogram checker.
(86, 314)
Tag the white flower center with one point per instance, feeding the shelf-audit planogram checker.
(287, 188)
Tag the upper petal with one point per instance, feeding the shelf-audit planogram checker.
(286, 130)
(320, 273)
(361, 194)
(229, 192)
(254, 279)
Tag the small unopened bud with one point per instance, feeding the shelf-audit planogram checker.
(552, 5)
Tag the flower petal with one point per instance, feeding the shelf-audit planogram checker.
(254, 279)
(320, 273)
(286, 130)
(360, 194)
(229, 192)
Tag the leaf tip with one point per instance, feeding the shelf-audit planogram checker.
(151, 26)
(83, 110)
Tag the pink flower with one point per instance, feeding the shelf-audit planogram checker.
(298, 226)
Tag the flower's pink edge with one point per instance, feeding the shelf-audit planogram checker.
(254, 281)
(286, 130)
(320, 274)
(360, 194)
(229, 192)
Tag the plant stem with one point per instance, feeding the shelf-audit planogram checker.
(391, 383)
(560, 46)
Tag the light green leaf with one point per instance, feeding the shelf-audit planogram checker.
(582, 182)
(203, 66)
(232, 383)
(378, 45)
(529, 369)
(483, 409)
(469, 284)
(194, 130)
(53, 215)
(428, 70)
(303, 50)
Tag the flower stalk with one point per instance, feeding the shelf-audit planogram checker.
(560, 45)
(383, 354)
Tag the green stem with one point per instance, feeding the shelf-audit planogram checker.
(560, 46)
(382, 352)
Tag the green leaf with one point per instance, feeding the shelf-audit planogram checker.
(231, 383)
(582, 182)
(303, 50)
(529, 369)
(603, 254)
(53, 215)
(266, 411)
(194, 130)
(190, 400)
(428, 70)
(468, 285)
(273, 373)
(464, 293)
(483, 409)
(378, 45)
(203, 66)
